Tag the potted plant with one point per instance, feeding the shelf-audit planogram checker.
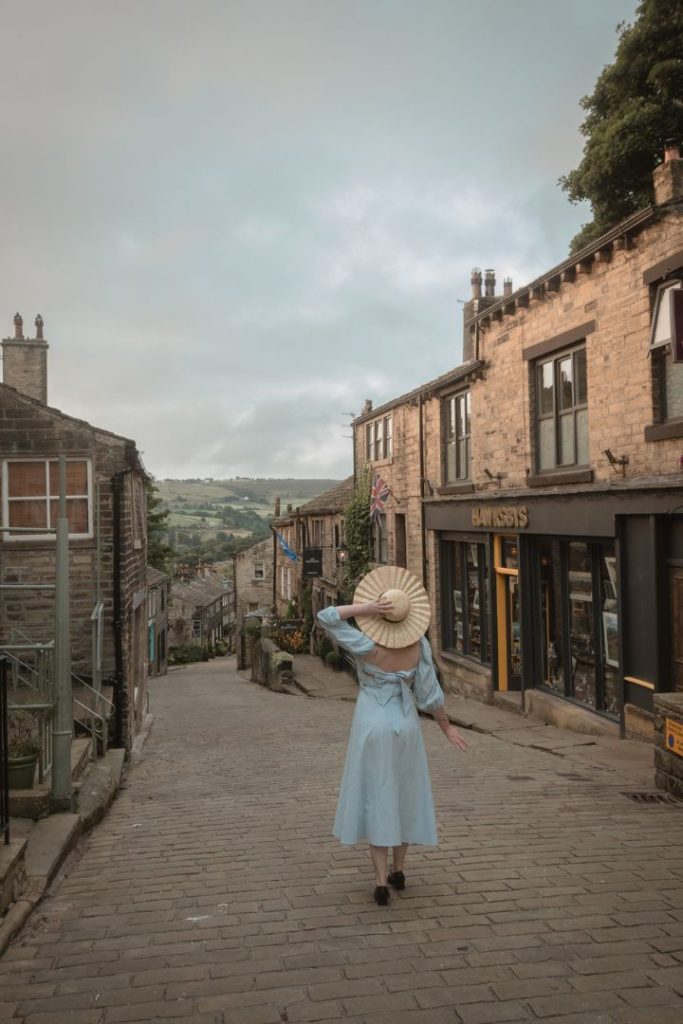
(23, 748)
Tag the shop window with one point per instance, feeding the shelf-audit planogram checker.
(31, 497)
(457, 437)
(579, 626)
(378, 439)
(465, 599)
(379, 539)
(666, 350)
(562, 411)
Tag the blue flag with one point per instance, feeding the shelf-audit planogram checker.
(286, 550)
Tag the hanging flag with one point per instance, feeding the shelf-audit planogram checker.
(286, 550)
(379, 495)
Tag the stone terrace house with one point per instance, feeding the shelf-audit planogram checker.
(539, 486)
(315, 531)
(158, 596)
(106, 507)
(196, 613)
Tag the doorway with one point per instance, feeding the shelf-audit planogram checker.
(506, 566)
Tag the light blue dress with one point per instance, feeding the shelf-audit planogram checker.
(386, 794)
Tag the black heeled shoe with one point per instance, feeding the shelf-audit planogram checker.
(381, 895)
(397, 879)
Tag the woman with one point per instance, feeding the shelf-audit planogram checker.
(386, 796)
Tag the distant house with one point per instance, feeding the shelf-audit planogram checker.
(106, 507)
(196, 613)
(158, 594)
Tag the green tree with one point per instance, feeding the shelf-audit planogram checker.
(160, 554)
(357, 535)
(636, 105)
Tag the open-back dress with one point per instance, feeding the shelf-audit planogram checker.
(386, 794)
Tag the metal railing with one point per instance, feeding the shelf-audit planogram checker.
(30, 688)
(4, 754)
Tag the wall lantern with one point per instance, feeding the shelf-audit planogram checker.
(342, 554)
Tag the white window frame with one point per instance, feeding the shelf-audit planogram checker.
(6, 500)
(664, 294)
(379, 439)
(259, 567)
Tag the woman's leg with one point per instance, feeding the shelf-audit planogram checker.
(399, 856)
(380, 858)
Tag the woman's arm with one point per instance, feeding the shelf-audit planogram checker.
(349, 611)
(449, 730)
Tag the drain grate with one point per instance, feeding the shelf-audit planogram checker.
(650, 799)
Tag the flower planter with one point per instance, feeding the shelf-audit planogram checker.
(22, 771)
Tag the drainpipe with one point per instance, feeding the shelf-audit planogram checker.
(423, 539)
(274, 570)
(117, 493)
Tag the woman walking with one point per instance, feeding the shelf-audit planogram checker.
(386, 796)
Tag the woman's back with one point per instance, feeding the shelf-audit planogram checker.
(394, 659)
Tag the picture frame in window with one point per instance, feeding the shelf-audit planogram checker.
(611, 566)
(610, 635)
(457, 601)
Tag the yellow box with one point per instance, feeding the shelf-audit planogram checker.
(674, 737)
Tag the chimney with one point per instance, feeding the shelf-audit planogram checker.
(507, 287)
(276, 510)
(367, 406)
(25, 361)
(668, 177)
(475, 281)
(489, 284)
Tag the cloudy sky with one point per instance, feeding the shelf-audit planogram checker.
(241, 218)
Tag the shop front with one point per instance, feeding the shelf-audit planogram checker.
(580, 595)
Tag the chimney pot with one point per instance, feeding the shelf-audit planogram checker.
(672, 150)
(490, 284)
(18, 326)
(367, 406)
(507, 287)
(39, 327)
(475, 281)
(276, 510)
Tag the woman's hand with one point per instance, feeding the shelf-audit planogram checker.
(383, 606)
(454, 737)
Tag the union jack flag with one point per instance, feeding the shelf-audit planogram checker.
(379, 495)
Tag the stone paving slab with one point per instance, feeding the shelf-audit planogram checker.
(214, 892)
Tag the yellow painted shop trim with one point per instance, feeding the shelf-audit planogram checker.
(639, 682)
(674, 737)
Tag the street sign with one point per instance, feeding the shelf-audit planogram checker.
(674, 737)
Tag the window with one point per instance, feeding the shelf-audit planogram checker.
(577, 621)
(379, 536)
(666, 349)
(259, 572)
(562, 410)
(457, 437)
(316, 533)
(465, 599)
(378, 439)
(31, 496)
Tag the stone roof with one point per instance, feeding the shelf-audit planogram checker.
(155, 576)
(333, 500)
(200, 593)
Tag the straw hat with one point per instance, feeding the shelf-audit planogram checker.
(411, 612)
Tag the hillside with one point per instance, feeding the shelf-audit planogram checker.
(209, 520)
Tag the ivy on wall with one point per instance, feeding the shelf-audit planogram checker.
(357, 536)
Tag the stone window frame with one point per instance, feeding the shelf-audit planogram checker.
(379, 441)
(317, 532)
(661, 428)
(48, 496)
(447, 402)
(258, 571)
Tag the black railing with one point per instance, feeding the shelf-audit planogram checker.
(4, 753)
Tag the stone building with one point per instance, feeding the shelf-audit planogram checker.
(158, 596)
(106, 508)
(315, 532)
(196, 613)
(541, 481)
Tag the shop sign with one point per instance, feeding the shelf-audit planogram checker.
(501, 517)
(313, 562)
(674, 737)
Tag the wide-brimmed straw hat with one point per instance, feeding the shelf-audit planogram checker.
(411, 612)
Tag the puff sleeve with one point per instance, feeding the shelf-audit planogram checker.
(427, 691)
(348, 637)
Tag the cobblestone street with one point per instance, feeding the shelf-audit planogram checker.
(213, 892)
